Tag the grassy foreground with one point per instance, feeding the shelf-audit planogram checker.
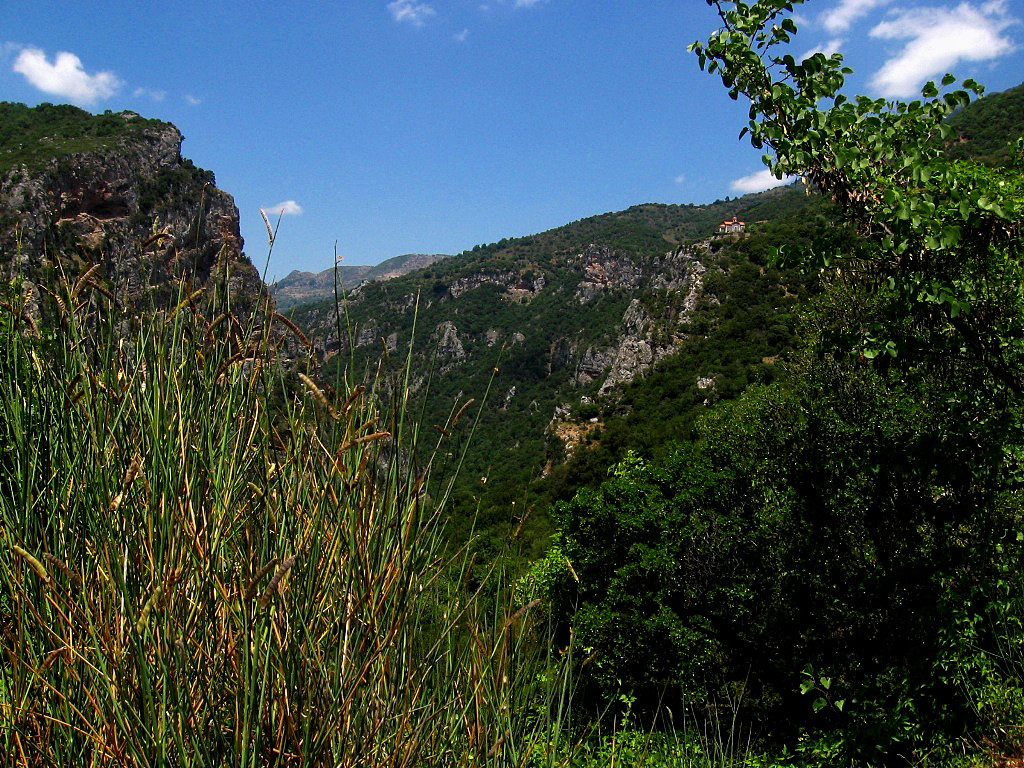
(208, 561)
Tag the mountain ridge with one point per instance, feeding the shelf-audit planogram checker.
(300, 287)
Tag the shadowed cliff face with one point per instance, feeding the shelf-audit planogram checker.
(99, 206)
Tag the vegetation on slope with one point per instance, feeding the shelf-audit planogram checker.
(739, 336)
(981, 130)
(529, 359)
(32, 136)
(205, 562)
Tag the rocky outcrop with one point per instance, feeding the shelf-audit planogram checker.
(643, 339)
(449, 345)
(603, 268)
(101, 206)
(636, 351)
(471, 282)
(662, 293)
(593, 364)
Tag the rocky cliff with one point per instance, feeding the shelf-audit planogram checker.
(82, 190)
(480, 309)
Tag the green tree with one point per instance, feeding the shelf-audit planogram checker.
(845, 531)
(943, 237)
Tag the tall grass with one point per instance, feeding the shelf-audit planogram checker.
(207, 560)
(208, 557)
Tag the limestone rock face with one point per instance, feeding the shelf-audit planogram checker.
(99, 206)
(593, 364)
(635, 352)
(471, 282)
(449, 345)
(603, 269)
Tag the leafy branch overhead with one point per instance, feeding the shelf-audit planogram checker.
(943, 235)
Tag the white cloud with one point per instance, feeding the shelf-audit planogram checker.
(152, 93)
(828, 48)
(461, 36)
(525, 3)
(284, 208)
(192, 101)
(411, 12)
(840, 18)
(65, 77)
(680, 179)
(939, 39)
(758, 182)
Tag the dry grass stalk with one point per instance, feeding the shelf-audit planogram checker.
(33, 563)
(188, 301)
(156, 238)
(250, 591)
(270, 229)
(349, 444)
(319, 394)
(275, 582)
(462, 410)
(295, 330)
(83, 280)
(73, 577)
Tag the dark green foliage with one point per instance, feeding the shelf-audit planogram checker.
(32, 136)
(812, 523)
(652, 227)
(539, 336)
(983, 130)
(180, 184)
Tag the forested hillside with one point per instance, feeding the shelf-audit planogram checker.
(609, 334)
(548, 326)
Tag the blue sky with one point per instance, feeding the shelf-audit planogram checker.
(400, 126)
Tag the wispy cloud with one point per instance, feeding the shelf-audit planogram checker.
(525, 3)
(840, 18)
(680, 179)
(939, 39)
(65, 77)
(284, 208)
(828, 48)
(192, 101)
(758, 182)
(8, 49)
(461, 37)
(409, 12)
(151, 93)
